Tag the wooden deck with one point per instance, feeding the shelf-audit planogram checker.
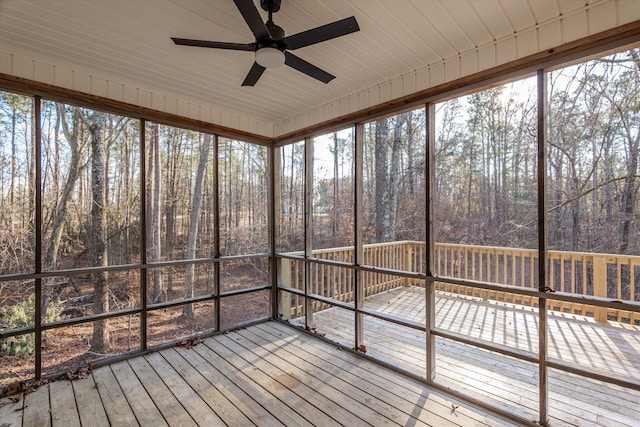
(499, 380)
(268, 374)
(272, 374)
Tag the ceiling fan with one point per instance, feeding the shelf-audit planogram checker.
(272, 47)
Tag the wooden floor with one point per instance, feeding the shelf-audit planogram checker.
(501, 381)
(272, 374)
(268, 374)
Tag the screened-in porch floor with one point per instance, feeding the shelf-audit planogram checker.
(268, 374)
(272, 374)
(503, 381)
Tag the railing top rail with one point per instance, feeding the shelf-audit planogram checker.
(554, 252)
(611, 258)
(350, 248)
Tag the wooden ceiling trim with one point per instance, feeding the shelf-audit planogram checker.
(586, 46)
(590, 45)
(59, 94)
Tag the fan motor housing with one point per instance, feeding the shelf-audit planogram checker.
(277, 33)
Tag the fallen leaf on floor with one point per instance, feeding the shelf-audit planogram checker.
(190, 342)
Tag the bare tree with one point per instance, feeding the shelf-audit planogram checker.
(98, 232)
(153, 209)
(194, 218)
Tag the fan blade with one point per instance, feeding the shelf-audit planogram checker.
(215, 45)
(254, 74)
(253, 19)
(310, 70)
(323, 33)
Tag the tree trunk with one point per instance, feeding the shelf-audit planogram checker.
(174, 155)
(630, 185)
(394, 177)
(187, 310)
(334, 218)
(411, 154)
(153, 209)
(98, 234)
(53, 246)
(12, 184)
(382, 180)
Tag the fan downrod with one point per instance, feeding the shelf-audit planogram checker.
(272, 6)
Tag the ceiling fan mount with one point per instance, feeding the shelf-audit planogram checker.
(270, 5)
(271, 47)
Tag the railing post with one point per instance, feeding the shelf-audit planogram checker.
(358, 248)
(430, 285)
(285, 280)
(308, 231)
(407, 254)
(600, 285)
(543, 256)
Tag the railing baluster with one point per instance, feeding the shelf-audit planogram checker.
(632, 291)
(470, 262)
(585, 276)
(572, 281)
(619, 280)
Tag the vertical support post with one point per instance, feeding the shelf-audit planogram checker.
(358, 284)
(543, 387)
(216, 232)
(274, 221)
(600, 285)
(284, 278)
(408, 254)
(430, 298)
(37, 140)
(143, 235)
(308, 228)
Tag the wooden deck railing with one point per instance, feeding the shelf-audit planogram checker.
(602, 275)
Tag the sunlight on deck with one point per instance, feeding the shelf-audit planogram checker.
(265, 375)
(503, 381)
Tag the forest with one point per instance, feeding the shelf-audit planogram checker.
(486, 168)
(76, 197)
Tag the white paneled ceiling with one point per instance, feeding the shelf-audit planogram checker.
(129, 41)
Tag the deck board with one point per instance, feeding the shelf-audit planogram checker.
(10, 412)
(37, 409)
(90, 408)
(358, 372)
(266, 375)
(271, 374)
(248, 383)
(200, 412)
(163, 398)
(236, 395)
(218, 401)
(289, 388)
(64, 409)
(347, 403)
(505, 382)
(145, 410)
(112, 398)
